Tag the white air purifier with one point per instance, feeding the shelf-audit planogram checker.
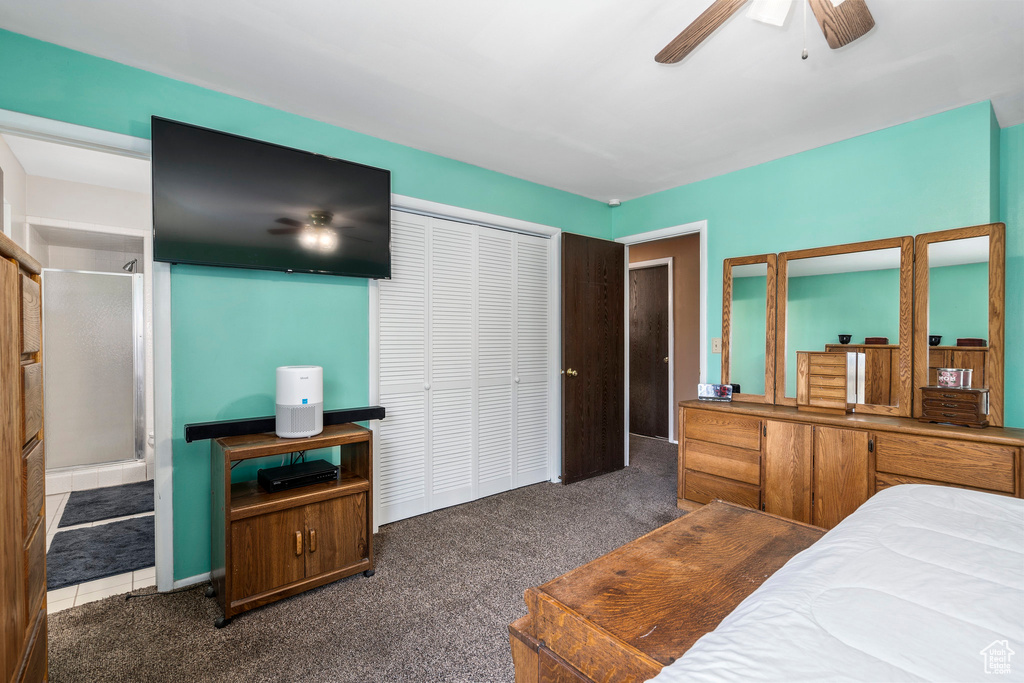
(300, 401)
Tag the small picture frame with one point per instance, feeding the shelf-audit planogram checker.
(714, 392)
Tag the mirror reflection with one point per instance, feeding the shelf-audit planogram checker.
(958, 307)
(748, 327)
(847, 302)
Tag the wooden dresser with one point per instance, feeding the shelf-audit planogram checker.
(22, 469)
(818, 468)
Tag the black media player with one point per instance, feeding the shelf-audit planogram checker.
(286, 477)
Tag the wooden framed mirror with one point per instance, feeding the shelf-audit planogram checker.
(748, 326)
(959, 297)
(862, 291)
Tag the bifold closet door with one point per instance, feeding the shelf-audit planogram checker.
(464, 365)
(401, 468)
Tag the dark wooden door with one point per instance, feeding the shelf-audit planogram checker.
(593, 364)
(648, 351)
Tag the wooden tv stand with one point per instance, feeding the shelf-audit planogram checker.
(269, 546)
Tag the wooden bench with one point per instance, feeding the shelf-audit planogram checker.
(627, 614)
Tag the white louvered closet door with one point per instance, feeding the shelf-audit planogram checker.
(532, 373)
(401, 469)
(495, 326)
(464, 365)
(452, 338)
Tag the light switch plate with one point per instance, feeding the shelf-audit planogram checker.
(716, 345)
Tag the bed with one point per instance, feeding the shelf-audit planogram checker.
(921, 583)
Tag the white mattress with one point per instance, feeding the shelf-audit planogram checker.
(913, 586)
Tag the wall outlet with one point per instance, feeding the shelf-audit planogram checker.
(716, 345)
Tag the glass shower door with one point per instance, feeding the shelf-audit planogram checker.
(91, 367)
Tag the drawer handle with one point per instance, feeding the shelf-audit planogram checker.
(949, 396)
(298, 542)
(949, 415)
(949, 405)
(312, 540)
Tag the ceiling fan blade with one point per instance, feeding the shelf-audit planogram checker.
(702, 27)
(282, 231)
(289, 221)
(844, 23)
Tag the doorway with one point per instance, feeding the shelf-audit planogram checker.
(686, 248)
(85, 214)
(650, 341)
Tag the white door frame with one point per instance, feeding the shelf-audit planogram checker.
(158, 295)
(701, 228)
(455, 213)
(656, 263)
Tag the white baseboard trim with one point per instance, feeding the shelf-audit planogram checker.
(192, 580)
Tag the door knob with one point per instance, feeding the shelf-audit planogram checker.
(666, 359)
(517, 380)
(571, 372)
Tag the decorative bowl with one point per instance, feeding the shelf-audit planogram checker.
(934, 339)
(845, 338)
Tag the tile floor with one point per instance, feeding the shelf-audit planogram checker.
(62, 598)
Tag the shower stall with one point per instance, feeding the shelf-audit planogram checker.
(93, 368)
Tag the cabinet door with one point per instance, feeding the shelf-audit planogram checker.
(336, 534)
(787, 470)
(840, 473)
(267, 552)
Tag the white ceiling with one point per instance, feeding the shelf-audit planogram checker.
(564, 93)
(79, 165)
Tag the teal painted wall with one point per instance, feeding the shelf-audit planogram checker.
(746, 345)
(963, 293)
(931, 174)
(231, 328)
(821, 307)
(1011, 212)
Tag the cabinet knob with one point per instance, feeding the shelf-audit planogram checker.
(517, 380)
(298, 542)
(426, 386)
(312, 540)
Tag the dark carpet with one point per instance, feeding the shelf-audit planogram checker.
(107, 503)
(447, 585)
(97, 552)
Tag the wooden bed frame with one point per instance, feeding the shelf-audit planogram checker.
(627, 614)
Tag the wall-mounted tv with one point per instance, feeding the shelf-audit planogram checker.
(225, 200)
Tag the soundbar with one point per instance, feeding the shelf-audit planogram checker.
(199, 431)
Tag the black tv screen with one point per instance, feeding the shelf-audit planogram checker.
(224, 200)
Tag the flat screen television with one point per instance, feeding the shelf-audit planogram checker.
(224, 200)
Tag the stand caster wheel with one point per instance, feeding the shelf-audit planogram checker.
(369, 572)
(211, 592)
(221, 622)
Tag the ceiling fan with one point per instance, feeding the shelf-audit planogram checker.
(317, 233)
(842, 22)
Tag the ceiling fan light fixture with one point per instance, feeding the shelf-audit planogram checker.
(773, 12)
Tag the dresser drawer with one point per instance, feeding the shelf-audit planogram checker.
(31, 400)
(884, 481)
(704, 488)
(35, 557)
(31, 321)
(33, 486)
(985, 466)
(740, 431)
(730, 462)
